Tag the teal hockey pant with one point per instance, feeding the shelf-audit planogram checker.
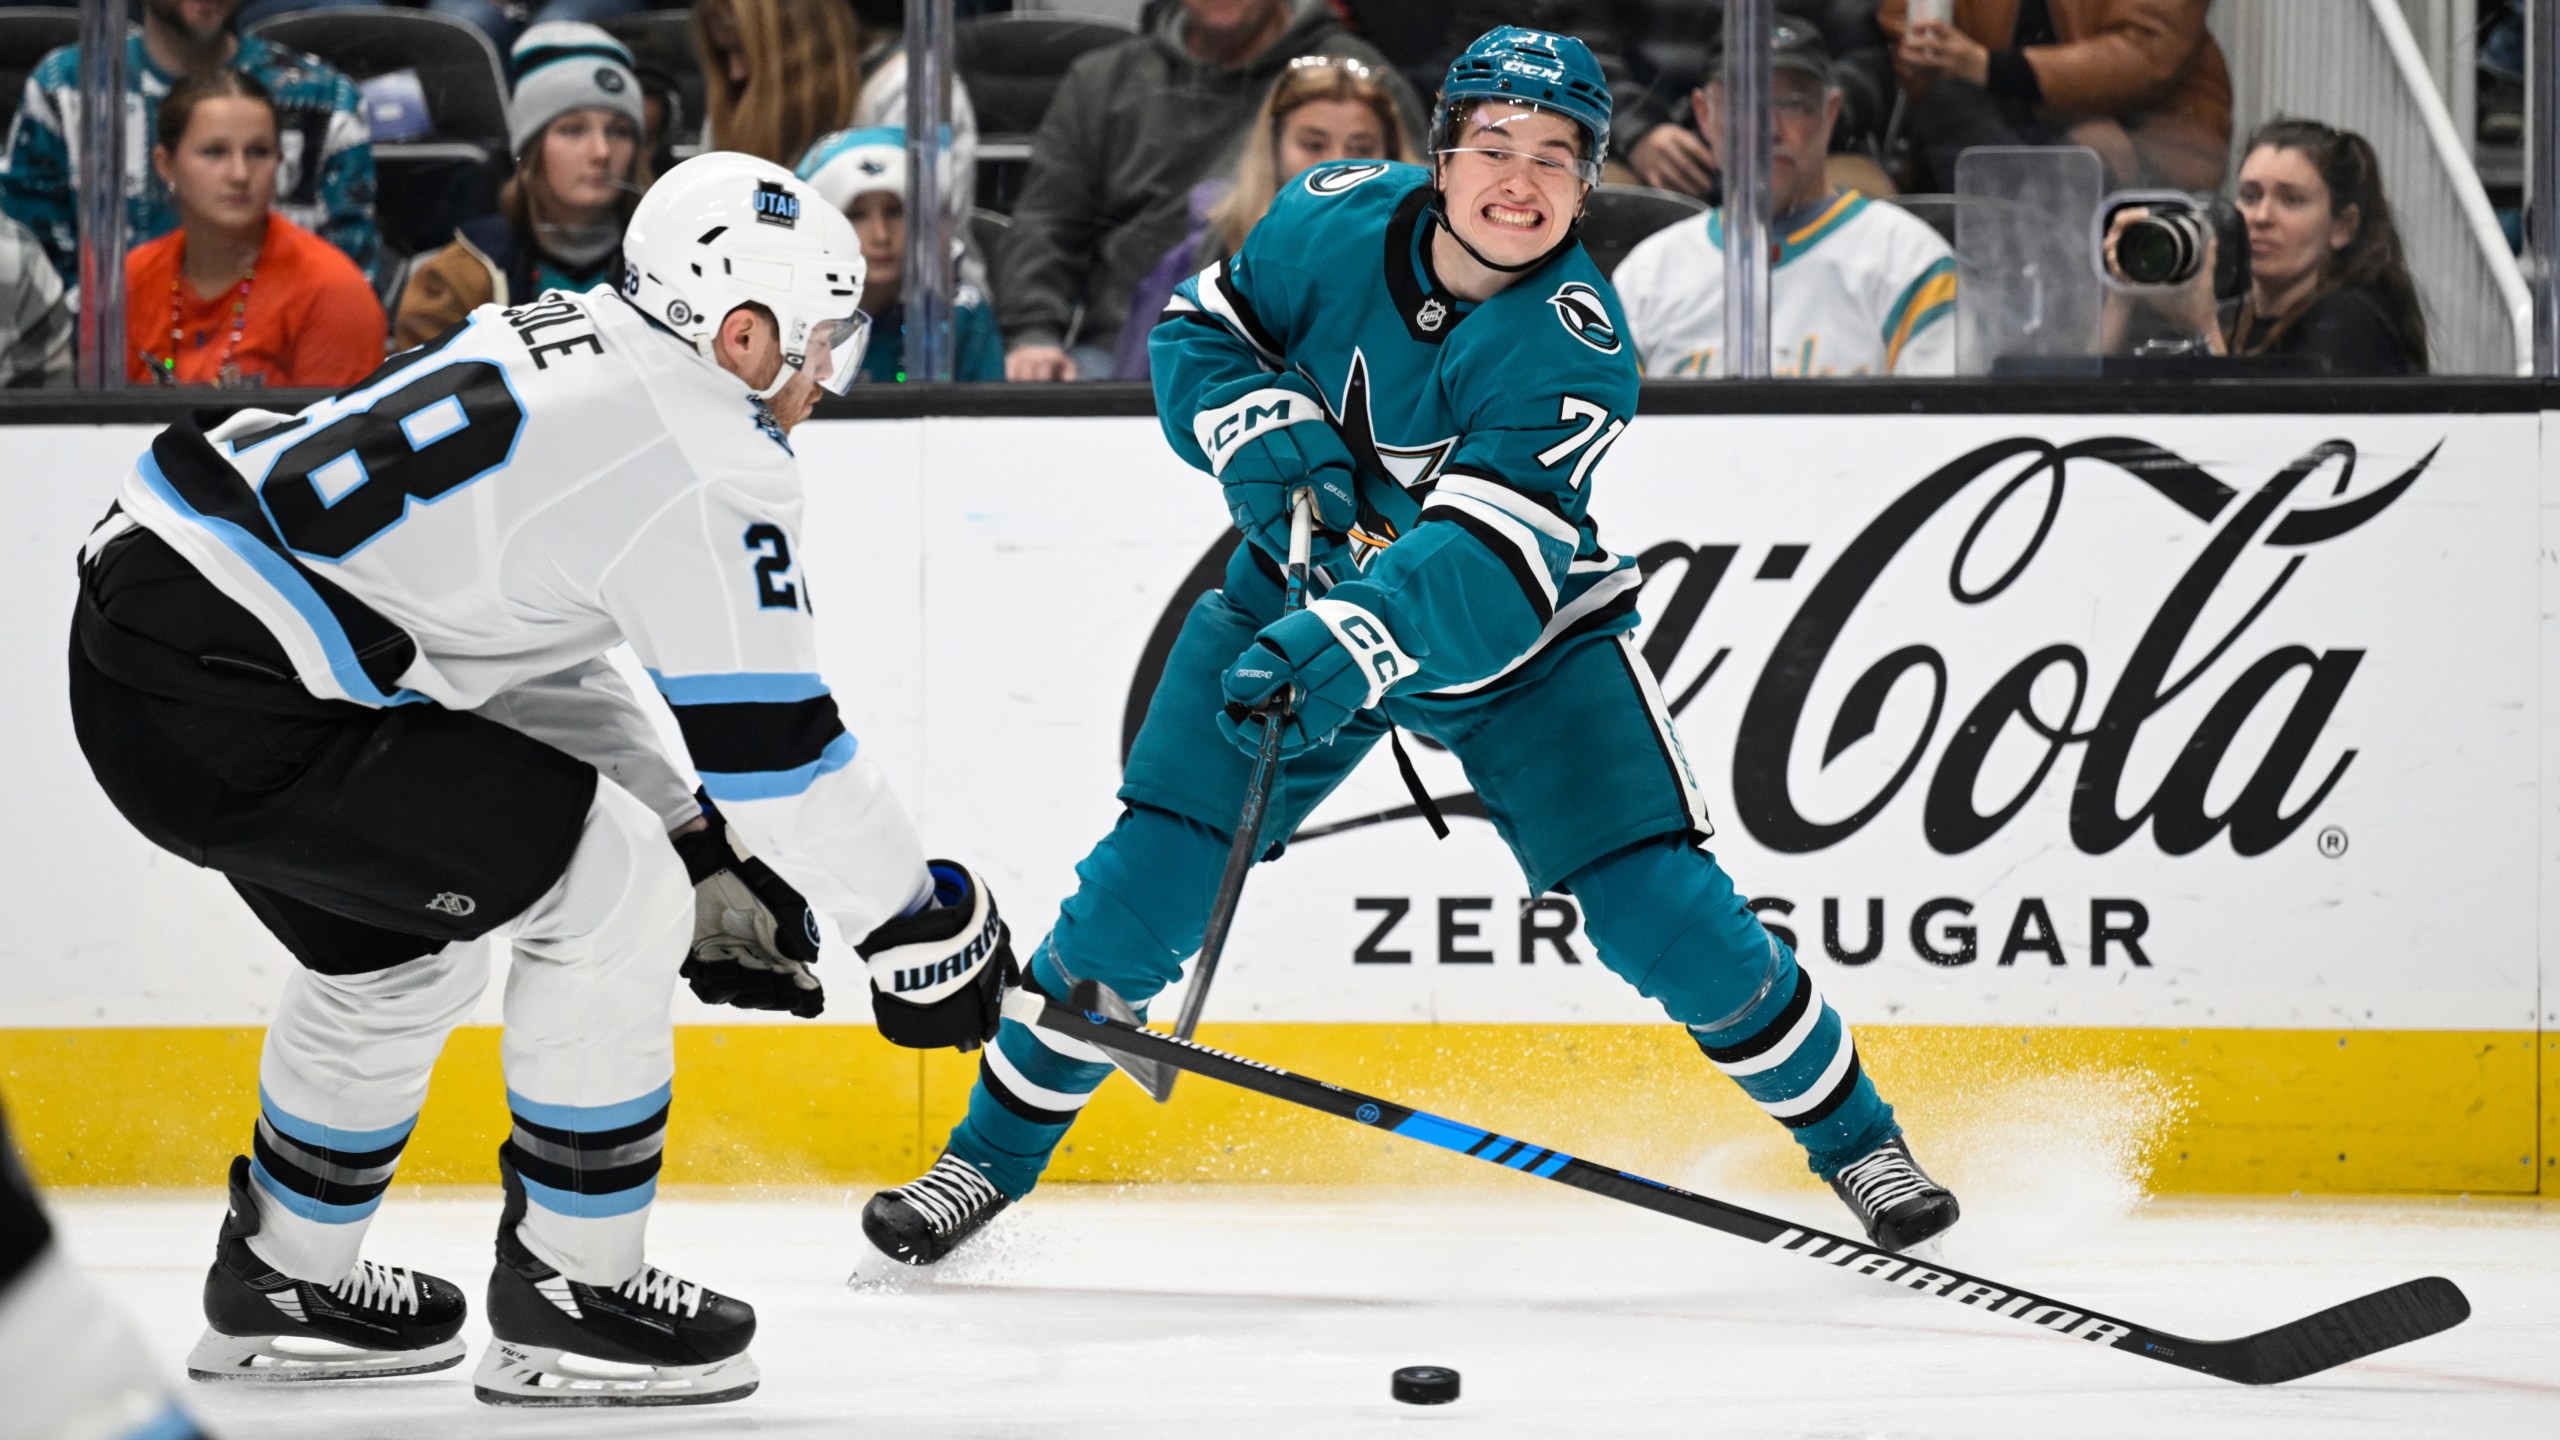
(1579, 773)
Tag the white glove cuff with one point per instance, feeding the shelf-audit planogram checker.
(1373, 647)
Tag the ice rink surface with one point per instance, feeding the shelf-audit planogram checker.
(1242, 1311)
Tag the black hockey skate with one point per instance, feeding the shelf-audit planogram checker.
(266, 1325)
(922, 1221)
(1895, 1199)
(654, 1339)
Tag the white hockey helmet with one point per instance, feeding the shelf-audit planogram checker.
(723, 230)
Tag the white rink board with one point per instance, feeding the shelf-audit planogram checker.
(1040, 555)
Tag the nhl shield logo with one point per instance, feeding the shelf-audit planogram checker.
(453, 903)
(1432, 314)
(1579, 310)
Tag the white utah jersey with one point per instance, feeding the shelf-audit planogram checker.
(1861, 289)
(483, 518)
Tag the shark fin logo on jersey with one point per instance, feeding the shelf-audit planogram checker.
(1579, 310)
(776, 206)
(1334, 179)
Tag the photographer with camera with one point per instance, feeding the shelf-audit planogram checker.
(2306, 264)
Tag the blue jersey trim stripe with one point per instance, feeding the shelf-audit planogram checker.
(296, 1203)
(588, 1118)
(780, 784)
(288, 584)
(741, 688)
(590, 1207)
(330, 1137)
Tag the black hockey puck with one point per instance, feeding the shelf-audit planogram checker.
(1424, 1385)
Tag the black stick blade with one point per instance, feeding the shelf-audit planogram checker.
(2361, 1327)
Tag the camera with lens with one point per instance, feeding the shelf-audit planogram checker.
(2168, 245)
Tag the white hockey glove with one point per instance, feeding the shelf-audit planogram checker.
(753, 936)
(938, 976)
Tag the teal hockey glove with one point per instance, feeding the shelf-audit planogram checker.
(1339, 658)
(1266, 464)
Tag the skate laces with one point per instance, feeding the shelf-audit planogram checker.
(379, 1287)
(659, 1290)
(1884, 1179)
(949, 1193)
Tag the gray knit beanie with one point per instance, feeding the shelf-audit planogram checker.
(563, 65)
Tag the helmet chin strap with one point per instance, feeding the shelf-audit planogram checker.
(1440, 215)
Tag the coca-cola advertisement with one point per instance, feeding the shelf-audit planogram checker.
(2214, 721)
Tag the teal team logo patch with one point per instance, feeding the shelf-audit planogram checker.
(1579, 310)
(1334, 179)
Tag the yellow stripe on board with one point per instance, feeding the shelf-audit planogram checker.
(2201, 1110)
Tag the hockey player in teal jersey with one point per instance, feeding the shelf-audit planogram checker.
(1431, 353)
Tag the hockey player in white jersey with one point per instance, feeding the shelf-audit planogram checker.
(353, 659)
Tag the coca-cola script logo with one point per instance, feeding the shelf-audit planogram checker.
(2102, 716)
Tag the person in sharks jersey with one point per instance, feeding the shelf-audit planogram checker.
(1430, 352)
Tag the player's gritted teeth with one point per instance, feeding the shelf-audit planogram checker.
(1511, 217)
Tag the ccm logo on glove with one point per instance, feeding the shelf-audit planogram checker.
(1221, 430)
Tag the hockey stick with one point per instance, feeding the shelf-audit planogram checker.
(1158, 1080)
(2360, 1327)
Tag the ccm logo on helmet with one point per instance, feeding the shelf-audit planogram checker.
(775, 205)
(1579, 310)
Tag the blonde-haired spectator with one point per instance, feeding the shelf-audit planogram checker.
(1323, 107)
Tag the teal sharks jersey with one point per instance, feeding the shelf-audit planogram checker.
(1478, 427)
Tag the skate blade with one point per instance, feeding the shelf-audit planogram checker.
(537, 1375)
(284, 1359)
(878, 1272)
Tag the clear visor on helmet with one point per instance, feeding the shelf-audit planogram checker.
(834, 357)
(1494, 141)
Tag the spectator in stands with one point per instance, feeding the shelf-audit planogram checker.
(864, 174)
(778, 74)
(239, 296)
(883, 101)
(2138, 81)
(575, 123)
(1857, 286)
(1134, 126)
(1324, 108)
(2328, 281)
(325, 180)
(35, 321)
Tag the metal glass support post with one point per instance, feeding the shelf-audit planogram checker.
(2542, 179)
(1747, 24)
(929, 341)
(100, 166)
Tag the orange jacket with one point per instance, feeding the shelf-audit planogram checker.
(2147, 65)
(311, 318)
